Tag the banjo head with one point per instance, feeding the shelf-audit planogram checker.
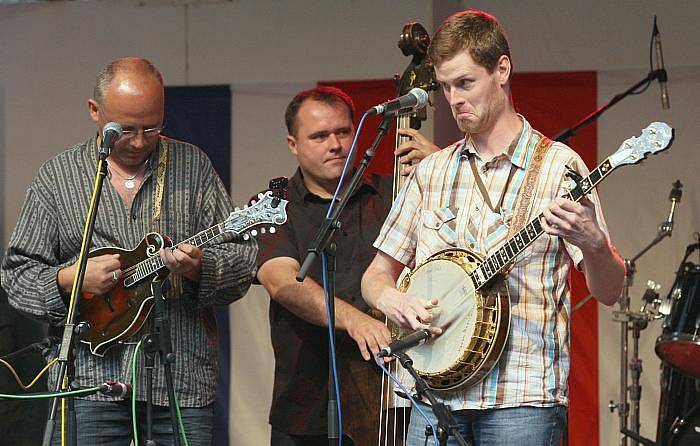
(474, 323)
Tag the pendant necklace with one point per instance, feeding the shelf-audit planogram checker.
(129, 182)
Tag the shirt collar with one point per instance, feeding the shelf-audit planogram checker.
(297, 185)
(517, 151)
(94, 150)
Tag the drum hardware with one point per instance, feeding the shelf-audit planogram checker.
(679, 344)
(679, 409)
(628, 322)
(679, 348)
(638, 321)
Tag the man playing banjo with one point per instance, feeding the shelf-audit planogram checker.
(473, 195)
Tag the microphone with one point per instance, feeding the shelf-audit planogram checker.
(111, 132)
(414, 100)
(661, 70)
(115, 389)
(675, 197)
(414, 339)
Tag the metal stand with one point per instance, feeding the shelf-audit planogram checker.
(320, 245)
(66, 354)
(447, 425)
(159, 343)
(565, 134)
(333, 419)
(639, 321)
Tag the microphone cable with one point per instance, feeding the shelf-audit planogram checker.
(45, 395)
(331, 335)
(654, 36)
(13, 372)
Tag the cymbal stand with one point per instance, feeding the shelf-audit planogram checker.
(639, 321)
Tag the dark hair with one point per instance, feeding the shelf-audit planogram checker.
(478, 32)
(109, 72)
(327, 95)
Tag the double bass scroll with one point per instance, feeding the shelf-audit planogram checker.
(413, 42)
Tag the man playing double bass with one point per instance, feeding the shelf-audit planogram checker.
(320, 132)
(464, 197)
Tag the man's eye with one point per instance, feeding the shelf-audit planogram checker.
(465, 83)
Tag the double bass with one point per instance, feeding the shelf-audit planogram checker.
(372, 412)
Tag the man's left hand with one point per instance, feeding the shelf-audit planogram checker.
(412, 151)
(574, 222)
(185, 260)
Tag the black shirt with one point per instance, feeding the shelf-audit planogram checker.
(301, 349)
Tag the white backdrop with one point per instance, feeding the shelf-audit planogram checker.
(268, 49)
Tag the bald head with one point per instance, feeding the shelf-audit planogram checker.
(126, 73)
(130, 92)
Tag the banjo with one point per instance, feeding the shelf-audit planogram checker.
(474, 309)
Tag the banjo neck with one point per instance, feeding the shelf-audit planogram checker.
(656, 137)
(497, 261)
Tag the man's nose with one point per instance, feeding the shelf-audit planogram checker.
(453, 98)
(138, 140)
(334, 141)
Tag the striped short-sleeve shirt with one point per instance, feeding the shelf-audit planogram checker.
(441, 207)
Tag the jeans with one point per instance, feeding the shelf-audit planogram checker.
(284, 439)
(109, 423)
(518, 426)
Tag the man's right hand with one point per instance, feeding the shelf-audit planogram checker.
(100, 273)
(407, 310)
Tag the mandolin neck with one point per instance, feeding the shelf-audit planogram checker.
(154, 263)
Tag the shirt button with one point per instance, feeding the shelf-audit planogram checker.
(133, 217)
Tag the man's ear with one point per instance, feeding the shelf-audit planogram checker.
(292, 144)
(93, 109)
(504, 68)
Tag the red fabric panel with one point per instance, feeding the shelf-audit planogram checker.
(367, 94)
(553, 102)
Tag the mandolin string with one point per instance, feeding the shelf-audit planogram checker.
(134, 269)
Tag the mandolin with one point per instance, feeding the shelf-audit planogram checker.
(121, 313)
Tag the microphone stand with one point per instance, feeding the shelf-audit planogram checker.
(159, 342)
(447, 425)
(66, 356)
(565, 134)
(320, 244)
(624, 316)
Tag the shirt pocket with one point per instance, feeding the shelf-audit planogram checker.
(437, 231)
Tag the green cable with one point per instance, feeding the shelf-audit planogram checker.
(86, 391)
(133, 402)
(179, 420)
(133, 393)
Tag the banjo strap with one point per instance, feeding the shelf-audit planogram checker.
(523, 202)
